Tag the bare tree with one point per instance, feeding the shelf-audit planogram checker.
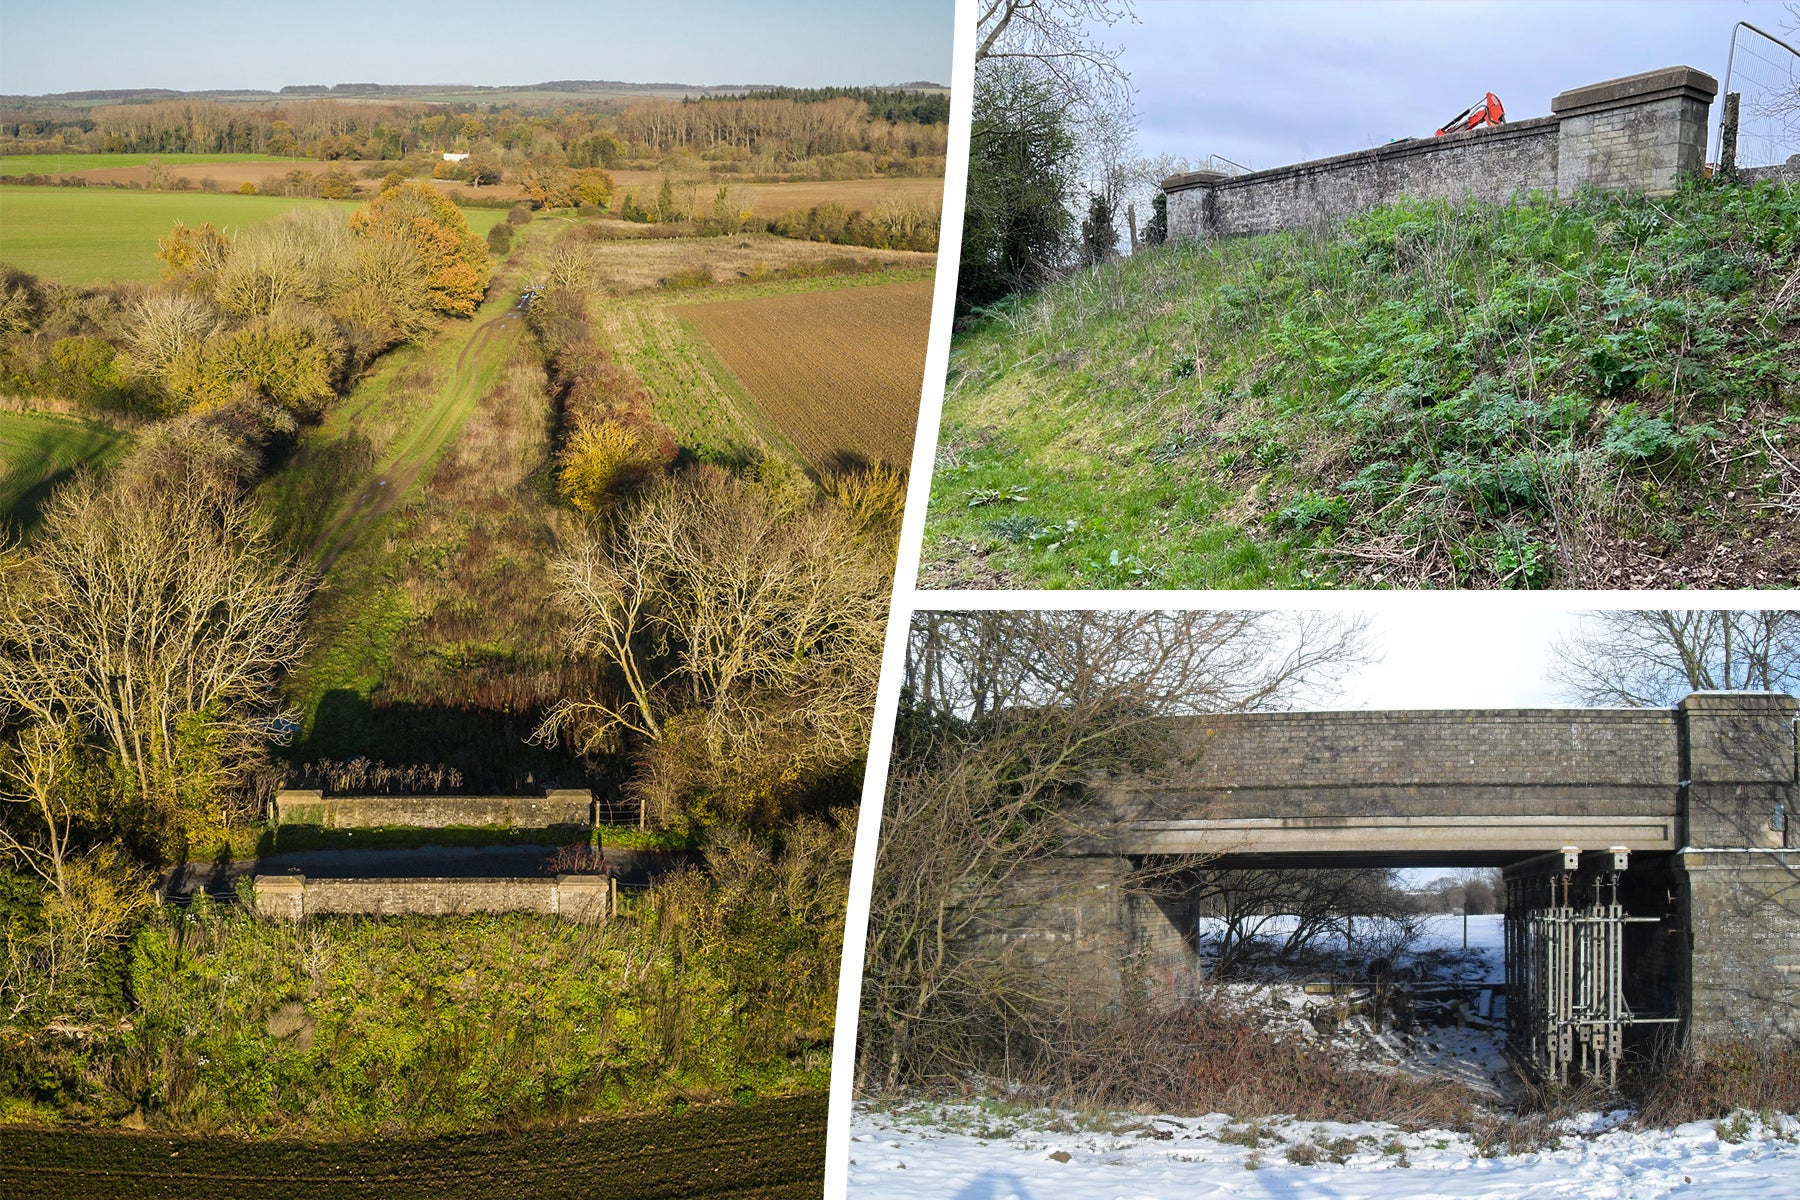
(1653, 658)
(158, 620)
(1052, 35)
(758, 625)
(34, 776)
(1291, 910)
(1005, 718)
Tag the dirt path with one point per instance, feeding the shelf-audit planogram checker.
(487, 342)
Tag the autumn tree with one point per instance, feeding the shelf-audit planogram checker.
(547, 185)
(593, 186)
(455, 261)
(192, 255)
(607, 458)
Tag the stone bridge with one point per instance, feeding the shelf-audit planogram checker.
(1695, 799)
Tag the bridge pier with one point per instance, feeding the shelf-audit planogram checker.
(1104, 931)
(1740, 864)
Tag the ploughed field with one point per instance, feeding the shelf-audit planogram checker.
(773, 199)
(839, 372)
(770, 1149)
(92, 235)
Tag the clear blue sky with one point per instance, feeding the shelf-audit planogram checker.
(1270, 83)
(77, 45)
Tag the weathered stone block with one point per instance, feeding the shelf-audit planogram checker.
(280, 897)
(583, 898)
(569, 806)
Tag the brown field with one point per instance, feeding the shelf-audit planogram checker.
(228, 174)
(766, 199)
(842, 380)
(773, 199)
(635, 265)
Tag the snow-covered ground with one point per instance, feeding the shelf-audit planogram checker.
(968, 1154)
(1468, 1055)
(949, 1152)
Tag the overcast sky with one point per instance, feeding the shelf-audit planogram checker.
(1270, 83)
(77, 45)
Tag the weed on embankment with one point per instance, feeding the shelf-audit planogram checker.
(1595, 394)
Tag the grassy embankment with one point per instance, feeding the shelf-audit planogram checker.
(93, 235)
(1598, 394)
(209, 1021)
(38, 451)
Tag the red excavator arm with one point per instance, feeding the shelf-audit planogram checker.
(1485, 111)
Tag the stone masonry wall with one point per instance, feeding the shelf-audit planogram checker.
(1641, 133)
(585, 898)
(1493, 164)
(1738, 759)
(1363, 764)
(1744, 915)
(573, 806)
(1088, 924)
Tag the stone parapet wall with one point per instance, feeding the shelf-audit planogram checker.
(572, 806)
(1402, 767)
(1517, 748)
(1642, 133)
(581, 898)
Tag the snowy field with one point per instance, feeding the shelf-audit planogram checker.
(893, 1156)
(949, 1152)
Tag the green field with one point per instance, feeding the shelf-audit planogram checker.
(40, 450)
(51, 164)
(91, 235)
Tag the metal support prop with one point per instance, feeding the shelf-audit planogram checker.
(1565, 974)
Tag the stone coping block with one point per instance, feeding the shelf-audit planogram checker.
(1663, 83)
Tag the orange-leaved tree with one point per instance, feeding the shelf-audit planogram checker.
(457, 265)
